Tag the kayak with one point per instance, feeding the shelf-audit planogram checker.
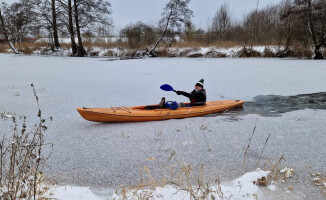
(142, 114)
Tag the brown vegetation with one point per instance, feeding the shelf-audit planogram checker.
(22, 159)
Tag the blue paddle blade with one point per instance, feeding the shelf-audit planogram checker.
(167, 87)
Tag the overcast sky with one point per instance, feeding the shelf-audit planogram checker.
(149, 11)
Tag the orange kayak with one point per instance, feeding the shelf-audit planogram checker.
(140, 114)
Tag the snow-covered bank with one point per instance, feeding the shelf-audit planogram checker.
(190, 52)
(244, 187)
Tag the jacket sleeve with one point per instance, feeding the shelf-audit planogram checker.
(186, 94)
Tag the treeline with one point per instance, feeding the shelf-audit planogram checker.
(68, 18)
(289, 23)
(299, 22)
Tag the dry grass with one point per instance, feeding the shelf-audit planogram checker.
(3, 48)
(318, 180)
(22, 159)
(4, 113)
(246, 52)
(194, 44)
(268, 53)
(181, 175)
(29, 48)
(269, 165)
(192, 179)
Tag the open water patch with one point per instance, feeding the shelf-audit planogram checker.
(276, 105)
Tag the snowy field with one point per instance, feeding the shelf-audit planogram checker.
(100, 155)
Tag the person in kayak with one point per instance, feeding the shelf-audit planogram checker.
(197, 96)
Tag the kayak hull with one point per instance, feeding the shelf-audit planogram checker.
(139, 114)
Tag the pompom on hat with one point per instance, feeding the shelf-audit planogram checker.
(200, 83)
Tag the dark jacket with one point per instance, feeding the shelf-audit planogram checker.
(197, 98)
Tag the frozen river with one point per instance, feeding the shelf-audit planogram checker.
(108, 155)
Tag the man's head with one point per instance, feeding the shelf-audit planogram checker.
(199, 85)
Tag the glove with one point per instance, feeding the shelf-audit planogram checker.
(178, 92)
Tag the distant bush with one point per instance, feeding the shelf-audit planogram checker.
(139, 35)
(214, 54)
(93, 52)
(161, 52)
(26, 50)
(110, 53)
(295, 52)
(195, 55)
(248, 52)
(3, 48)
(185, 52)
(268, 53)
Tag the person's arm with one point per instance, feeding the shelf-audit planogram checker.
(186, 94)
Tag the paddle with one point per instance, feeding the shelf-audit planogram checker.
(167, 87)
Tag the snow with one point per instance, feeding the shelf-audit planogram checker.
(240, 189)
(176, 51)
(71, 193)
(272, 187)
(288, 172)
(229, 52)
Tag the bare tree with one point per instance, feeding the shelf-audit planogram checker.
(81, 51)
(67, 18)
(54, 24)
(5, 33)
(138, 35)
(312, 13)
(288, 25)
(222, 22)
(176, 13)
(71, 28)
(88, 13)
(47, 12)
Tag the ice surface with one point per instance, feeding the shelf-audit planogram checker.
(108, 155)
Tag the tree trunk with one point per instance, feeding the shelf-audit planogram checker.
(71, 29)
(151, 52)
(4, 30)
(81, 50)
(54, 26)
(318, 52)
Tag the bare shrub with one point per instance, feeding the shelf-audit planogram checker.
(110, 53)
(268, 53)
(161, 52)
(22, 159)
(296, 52)
(195, 55)
(26, 50)
(185, 52)
(248, 52)
(139, 35)
(3, 48)
(93, 52)
(215, 54)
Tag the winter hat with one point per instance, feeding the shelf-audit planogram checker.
(200, 83)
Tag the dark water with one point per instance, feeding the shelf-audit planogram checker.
(275, 105)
